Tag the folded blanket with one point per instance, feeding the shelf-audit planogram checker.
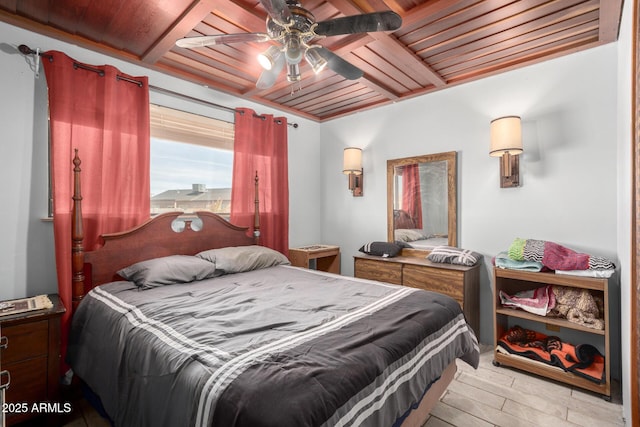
(502, 260)
(555, 256)
(584, 359)
(537, 301)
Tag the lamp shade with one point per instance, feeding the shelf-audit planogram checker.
(352, 160)
(506, 136)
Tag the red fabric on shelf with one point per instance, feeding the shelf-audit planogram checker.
(557, 257)
(583, 359)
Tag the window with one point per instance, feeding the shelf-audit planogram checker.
(191, 162)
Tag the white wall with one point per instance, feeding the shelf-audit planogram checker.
(568, 170)
(27, 264)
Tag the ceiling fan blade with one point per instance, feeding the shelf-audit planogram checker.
(339, 65)
(277, 10)
(269, 77)
(201, 41)
(365, 23)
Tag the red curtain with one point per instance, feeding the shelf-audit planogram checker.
(260, 146)
(105, 115)
(411, 198)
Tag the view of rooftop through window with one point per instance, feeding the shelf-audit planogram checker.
(191, 162)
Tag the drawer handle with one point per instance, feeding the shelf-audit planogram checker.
(4, 342)
(4, 385)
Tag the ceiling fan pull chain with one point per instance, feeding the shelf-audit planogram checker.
(293, 88)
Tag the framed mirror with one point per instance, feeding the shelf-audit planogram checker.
(422, 200)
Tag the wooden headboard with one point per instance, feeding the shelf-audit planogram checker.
(154, 238)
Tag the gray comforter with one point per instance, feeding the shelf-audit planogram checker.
(281, 346)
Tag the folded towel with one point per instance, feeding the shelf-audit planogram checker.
(503, 261)
(537, 301)
(588, 273)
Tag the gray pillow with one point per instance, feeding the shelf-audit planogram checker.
(168, 270)
(236, 259)
(383, 249)
(409, 234)
(452, 255)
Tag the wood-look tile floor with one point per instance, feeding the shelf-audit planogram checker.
(490, 396)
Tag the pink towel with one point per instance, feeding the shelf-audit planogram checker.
(537, 301)
(557, 257)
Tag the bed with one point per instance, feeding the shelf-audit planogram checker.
(253, 341)
(406, 233)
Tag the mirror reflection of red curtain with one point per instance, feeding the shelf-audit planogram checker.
(260, 146)
(411, 199)
(107, 120)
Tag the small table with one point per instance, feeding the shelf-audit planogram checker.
(327, 257)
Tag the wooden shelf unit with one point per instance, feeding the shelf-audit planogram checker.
(513, 281)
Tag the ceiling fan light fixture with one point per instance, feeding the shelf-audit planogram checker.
(293, 74)
(269, 77)
(293, 49)
(314, 59)
(268, 58)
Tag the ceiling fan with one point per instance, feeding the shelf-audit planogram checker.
(296, 30)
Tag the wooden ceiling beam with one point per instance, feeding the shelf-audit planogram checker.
(408, 57)
(182, 25)
(409, 60)
(432, 11)
(610, 16)
(247, 18)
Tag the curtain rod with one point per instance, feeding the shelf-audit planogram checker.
(202, 101)
(26, 50)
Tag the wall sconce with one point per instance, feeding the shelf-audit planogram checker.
(506, 142)
(352, 166)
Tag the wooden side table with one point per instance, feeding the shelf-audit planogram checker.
(327, 257)
(31, 354)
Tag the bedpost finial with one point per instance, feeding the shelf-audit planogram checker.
(76, 160)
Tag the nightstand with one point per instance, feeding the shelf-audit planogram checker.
(327, 258)
(32, 358)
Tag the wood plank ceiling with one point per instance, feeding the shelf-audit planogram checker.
(441, 43)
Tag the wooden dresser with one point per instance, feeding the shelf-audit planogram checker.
(459, 282)
(31, 355)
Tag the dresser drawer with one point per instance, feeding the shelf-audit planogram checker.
(459, 282)
(28, 380)
(440, 280)
(378, 270)
(25, 341)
